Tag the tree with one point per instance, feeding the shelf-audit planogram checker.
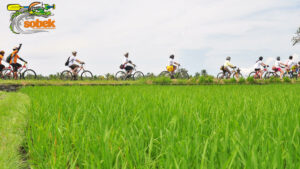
(197, 74)
(296, 38)
(203, 72)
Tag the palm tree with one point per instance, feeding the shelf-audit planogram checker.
(296, 38)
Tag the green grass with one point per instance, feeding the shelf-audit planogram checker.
(12, 125)
(164, 127)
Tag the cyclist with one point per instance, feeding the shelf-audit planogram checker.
(258, 66)
(291, 65)
(226, 66)
(72, 64)
(172, 65)
(1, 58)
(278, 65)
(128, 65)
(13, 61)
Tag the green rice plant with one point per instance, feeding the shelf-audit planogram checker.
(230, 126)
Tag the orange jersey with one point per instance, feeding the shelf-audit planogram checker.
(15, 58)
(1, 57)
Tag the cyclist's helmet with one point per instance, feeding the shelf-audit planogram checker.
(172, 56)
(278, 58)
(15, 48)
(2, 52)
(74, 52)
(291, 57)
(126, 54)
(260, 58)
(228, 58)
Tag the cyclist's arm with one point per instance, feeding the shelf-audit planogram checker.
(22, 60)
(231, 65)
(78, 61)
(176, 63)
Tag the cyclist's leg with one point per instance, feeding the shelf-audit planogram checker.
(228, 72)
(1, 69)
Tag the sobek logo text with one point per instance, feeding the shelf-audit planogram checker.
(31, 19)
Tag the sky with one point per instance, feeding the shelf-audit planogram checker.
(201, 33)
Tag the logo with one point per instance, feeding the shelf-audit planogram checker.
(35, 18)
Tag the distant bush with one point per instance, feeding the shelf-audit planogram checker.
(274, 80)
(230, 81)
(162, 80)
(251, 80)
(206, 80)
(287, 80)
(242, 80)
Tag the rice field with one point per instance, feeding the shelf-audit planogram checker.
(232, 126)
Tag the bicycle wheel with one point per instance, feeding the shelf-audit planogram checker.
(221, 75)
(138, 75)
(120, 75)
(254, 75)
(29, 75)
(66, 75)
(183, 75)
(165, 74)
(271, 74)
(7, 74)
(87, 75)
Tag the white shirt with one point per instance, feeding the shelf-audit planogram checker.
(171, 62)
(290, 63)
(72, 60)
(258, 64)
(127, 62)
(277, 64)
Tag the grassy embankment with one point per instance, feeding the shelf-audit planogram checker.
(13, 118)
(209, 80)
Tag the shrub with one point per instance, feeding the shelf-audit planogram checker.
(242, 80)
(251, 80)
(274, 80)
(230, 81)
(206, 80)
(287, 80)
(162, 80)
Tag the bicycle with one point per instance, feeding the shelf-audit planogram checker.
(23, 73)
(85, 75)
(255, 74)
(292, 74)
(235, 73)
(122, 75)
(180, 73)
(274, 73)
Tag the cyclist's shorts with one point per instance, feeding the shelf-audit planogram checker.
(277, 69)
(170, 68)
(128, 68)
(73, 66)
(256, 70)
(16, 66)
(1, 67)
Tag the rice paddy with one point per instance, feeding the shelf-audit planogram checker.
(231, 126)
